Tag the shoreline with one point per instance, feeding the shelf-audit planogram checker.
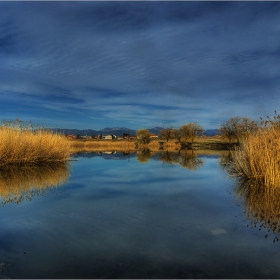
(95, 145)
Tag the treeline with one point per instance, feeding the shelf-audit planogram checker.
(185, 134)
(238, 129)
(234, 130)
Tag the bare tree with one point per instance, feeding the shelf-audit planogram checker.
(144, 136)
(244, 128)
(189, 131)
(237, 128)
(227, 129)
(177, 133)
(166, 133)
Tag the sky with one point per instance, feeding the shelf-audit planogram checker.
(91, 65)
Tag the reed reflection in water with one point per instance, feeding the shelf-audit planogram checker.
(260, 202)
(261, 205)
(23, 182)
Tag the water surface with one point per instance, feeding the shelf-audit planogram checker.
(138, 215)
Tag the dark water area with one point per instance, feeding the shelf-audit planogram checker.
(134, 215)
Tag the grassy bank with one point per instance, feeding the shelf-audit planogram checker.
(97, 145)
(20, 143)
(155, 145)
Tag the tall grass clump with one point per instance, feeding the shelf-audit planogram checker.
(258, 155)
(22, 142)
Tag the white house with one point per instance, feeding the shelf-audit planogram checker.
(107, 137)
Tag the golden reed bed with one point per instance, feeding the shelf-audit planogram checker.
(258, 157)
(20, 143)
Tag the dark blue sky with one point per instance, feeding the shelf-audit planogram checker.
(138, 64)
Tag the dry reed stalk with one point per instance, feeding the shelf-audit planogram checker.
(19, 182)
(22, 145)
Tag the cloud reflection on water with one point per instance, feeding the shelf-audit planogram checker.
(122, 219)
(261, 207)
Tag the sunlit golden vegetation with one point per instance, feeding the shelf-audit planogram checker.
(23, 143)
(258, 155)
(97, 145)
(24, 181)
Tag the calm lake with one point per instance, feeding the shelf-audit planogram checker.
(134, 215)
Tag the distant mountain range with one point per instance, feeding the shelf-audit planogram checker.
(211, 132)
(119, 131)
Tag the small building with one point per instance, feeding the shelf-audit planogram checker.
(153, 135)
(109, 137)
(71, 136)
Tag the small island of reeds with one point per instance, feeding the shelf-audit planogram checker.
(22, 142)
